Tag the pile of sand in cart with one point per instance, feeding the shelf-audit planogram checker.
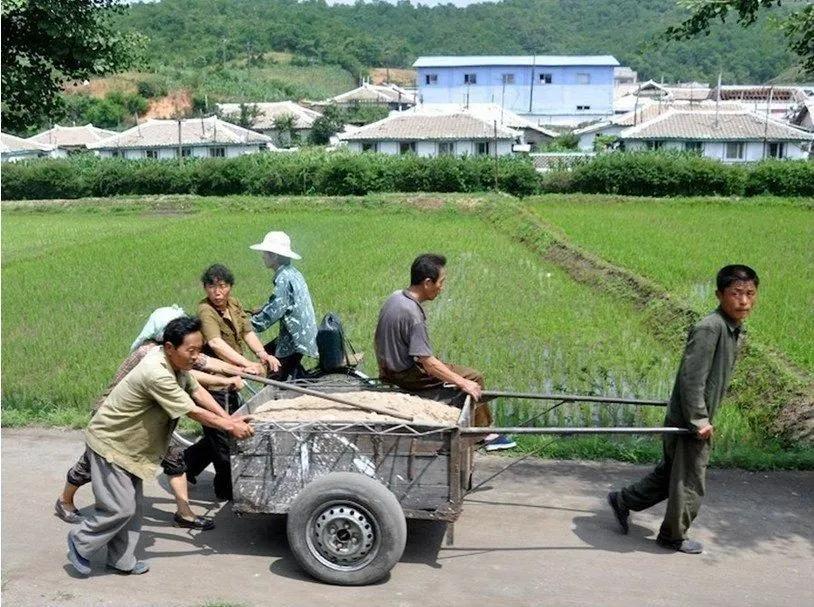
(312, 408)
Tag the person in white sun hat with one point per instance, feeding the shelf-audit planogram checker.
(290, 305)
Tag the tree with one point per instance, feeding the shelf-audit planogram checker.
(48, 42)
(327, 125)
(284, 123)
(798, 25)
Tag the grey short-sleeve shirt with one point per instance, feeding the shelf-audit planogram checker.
(401, 333)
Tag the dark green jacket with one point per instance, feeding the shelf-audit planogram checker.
(705, 371)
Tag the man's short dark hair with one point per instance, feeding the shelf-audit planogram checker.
(176, 330)
(735, 273)
(426, 265)
(217, 273)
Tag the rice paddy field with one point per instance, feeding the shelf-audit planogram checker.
(681, 243)
(80, 279)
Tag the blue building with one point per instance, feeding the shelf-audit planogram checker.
(549, 89)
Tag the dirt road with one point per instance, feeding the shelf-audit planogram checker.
(538, 535)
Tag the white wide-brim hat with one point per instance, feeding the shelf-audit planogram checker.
(276, 242)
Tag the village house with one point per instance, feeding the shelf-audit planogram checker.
(193, 137)
(13, 149)
(533, 135)
(390, 95)
(459, 133)
(646, 109)
(547, 89)
(72, 139)
(728, 136)
(266, 118)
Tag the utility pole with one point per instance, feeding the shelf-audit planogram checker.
(718, 100)
(180, 149)
(766, 125)
(531, 86)
(496, 162)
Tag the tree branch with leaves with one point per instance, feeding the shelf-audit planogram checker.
(797, 24)
(46, 43)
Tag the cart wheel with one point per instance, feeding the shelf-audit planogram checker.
(346, 528)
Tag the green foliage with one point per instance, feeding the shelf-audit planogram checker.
(797, 24)
(782, 178)
(116, 109)
(47, 42)
(284, 124)
(308, 172)
(395, 34)
(658, 174)
(605, 143)
(567, 142)
(150, 89)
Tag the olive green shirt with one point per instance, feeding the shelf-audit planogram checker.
(132, 428)
(705, 371)
(231, 330)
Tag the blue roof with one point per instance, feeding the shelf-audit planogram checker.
(525, 60)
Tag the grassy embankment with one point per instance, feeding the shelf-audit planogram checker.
(79, 281)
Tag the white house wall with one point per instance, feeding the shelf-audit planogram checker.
(232, 151)
(428, 149)
(753, 150)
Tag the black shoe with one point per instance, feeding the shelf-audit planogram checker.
(685, 546)
(199, 522)
(622, 513)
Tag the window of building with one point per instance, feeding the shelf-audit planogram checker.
(431, 79)
(696, 147)
(217, 152)
(581, 108)
(369, 146)
(470, 78)
(777, 150)
(262, 148)
(446, 148)
(545, 78)
(583, 78)
(483, 148)
(734, 150)
(407, 147)
(115, 154)
(507, 79)
(151, 153)
(185, 152)
(654, 145)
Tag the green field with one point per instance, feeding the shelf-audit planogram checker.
(80, 279)
(680, 244)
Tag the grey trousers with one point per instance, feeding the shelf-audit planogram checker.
(116, 518)
(680, 478)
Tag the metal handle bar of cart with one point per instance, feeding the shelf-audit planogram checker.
(561, 399)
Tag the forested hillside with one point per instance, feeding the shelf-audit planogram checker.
(198, 33)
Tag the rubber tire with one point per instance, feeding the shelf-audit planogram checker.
(370, 493)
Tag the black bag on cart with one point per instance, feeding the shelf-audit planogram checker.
(332, 344)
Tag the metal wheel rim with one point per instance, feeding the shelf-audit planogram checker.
(330, 533)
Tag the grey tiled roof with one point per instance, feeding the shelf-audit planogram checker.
(375, 93)
(72, 136)
(705, 126)
(194, 131)
(414, 127)
(485, 111)
(268, 112)
(10, 144)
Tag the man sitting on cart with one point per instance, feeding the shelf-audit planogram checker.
(406, 358)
